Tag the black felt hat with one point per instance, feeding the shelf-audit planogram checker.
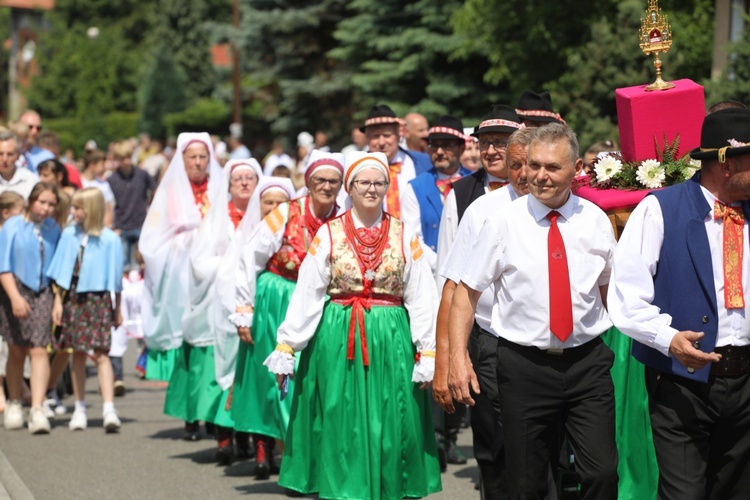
(537, 108)
(500, 118)
(725, 133)
(380, 114)
(447, 127)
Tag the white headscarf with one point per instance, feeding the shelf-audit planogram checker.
(165, 242)
(274, 161)
(357, 161)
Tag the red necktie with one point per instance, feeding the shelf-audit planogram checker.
(734, 223)
(560, 304)
(445, 185)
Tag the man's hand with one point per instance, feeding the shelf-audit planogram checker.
(440, 390)
(461, 376)
(683, 348)
(244, 333)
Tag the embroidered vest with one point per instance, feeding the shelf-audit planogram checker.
(294, 244)
(346, 276)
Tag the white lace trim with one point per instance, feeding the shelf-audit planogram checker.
(423, 370)
(280, 363)
(242, 320)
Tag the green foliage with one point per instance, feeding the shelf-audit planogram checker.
(162, 92)
(209, 115)
(181, 24)
(402, 55)
(74, 132)
(735, 82)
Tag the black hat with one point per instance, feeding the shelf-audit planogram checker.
(500, 118)
(724, 134)
(380, 114)
(447, 127)
(537, 108)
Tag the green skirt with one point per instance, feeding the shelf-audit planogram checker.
(160, 364)
(638, 471)
(360, 432)
(256, 407)
(193, 393)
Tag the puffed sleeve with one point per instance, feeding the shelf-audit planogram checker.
(421, 302)
(411, 216)
(306, 305)
(264, 241)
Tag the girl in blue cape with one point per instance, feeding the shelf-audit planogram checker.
(87, 268)
(27, 243)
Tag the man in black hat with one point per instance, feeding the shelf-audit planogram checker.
(382, 130)
(424, 198)
(536, 110)
(680, 290)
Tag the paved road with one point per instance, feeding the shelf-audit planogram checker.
(147, 459)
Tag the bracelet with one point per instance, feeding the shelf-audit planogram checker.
(428, 354)
(285, 349)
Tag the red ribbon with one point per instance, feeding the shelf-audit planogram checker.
(359, 305)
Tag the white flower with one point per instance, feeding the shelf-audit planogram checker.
(606, 168)
(735, 143)
(651, 174)
(690, 171)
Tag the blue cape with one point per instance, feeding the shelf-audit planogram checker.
(102, 265)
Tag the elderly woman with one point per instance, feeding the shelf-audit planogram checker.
(180, 203)
(193, 394)
(268, 271)
(360, 427)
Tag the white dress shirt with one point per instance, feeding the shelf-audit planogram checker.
(455, 260)
(22, 183)
(511, 253)
(308, 300)
(631, 288)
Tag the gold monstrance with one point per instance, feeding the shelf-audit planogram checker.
(656, 36)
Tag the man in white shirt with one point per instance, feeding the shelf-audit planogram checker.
(486, 422)
(680, 290)
(18, 180)
(548, 257)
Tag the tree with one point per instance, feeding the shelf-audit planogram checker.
(162, 92)
(735, 82)
(181, 24)
(400, 53)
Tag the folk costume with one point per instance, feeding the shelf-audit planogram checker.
(425, 195)
(502, 119)
(167, 235)
(689, 276)
(363, 316)
(26, 251)
(268, 271)
(194, 393)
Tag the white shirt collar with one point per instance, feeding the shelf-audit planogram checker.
(539, 210)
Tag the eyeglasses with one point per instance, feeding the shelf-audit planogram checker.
(38, 127)
(365, 186)
(443, 144)
(498, 145)
(320, 181)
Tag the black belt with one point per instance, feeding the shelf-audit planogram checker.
(567, 353)
(735, 361)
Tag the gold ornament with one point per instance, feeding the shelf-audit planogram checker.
(656, 37)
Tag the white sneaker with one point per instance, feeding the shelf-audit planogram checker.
(13, 415)
(111, 422)
(38, 421)
(60, 409)
(78, 421)
(47, 407)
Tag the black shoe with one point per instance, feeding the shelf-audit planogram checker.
(244, 449)
(224, 455)
(454, 455)
(210, 429)
(192, 431)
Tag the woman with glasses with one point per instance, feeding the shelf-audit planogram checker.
(267, 277)
(363, 315)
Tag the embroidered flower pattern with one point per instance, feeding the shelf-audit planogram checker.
(606, 168)
(651, 174)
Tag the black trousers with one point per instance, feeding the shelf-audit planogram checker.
(701, 435)
(486, 423)
(542, 393)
